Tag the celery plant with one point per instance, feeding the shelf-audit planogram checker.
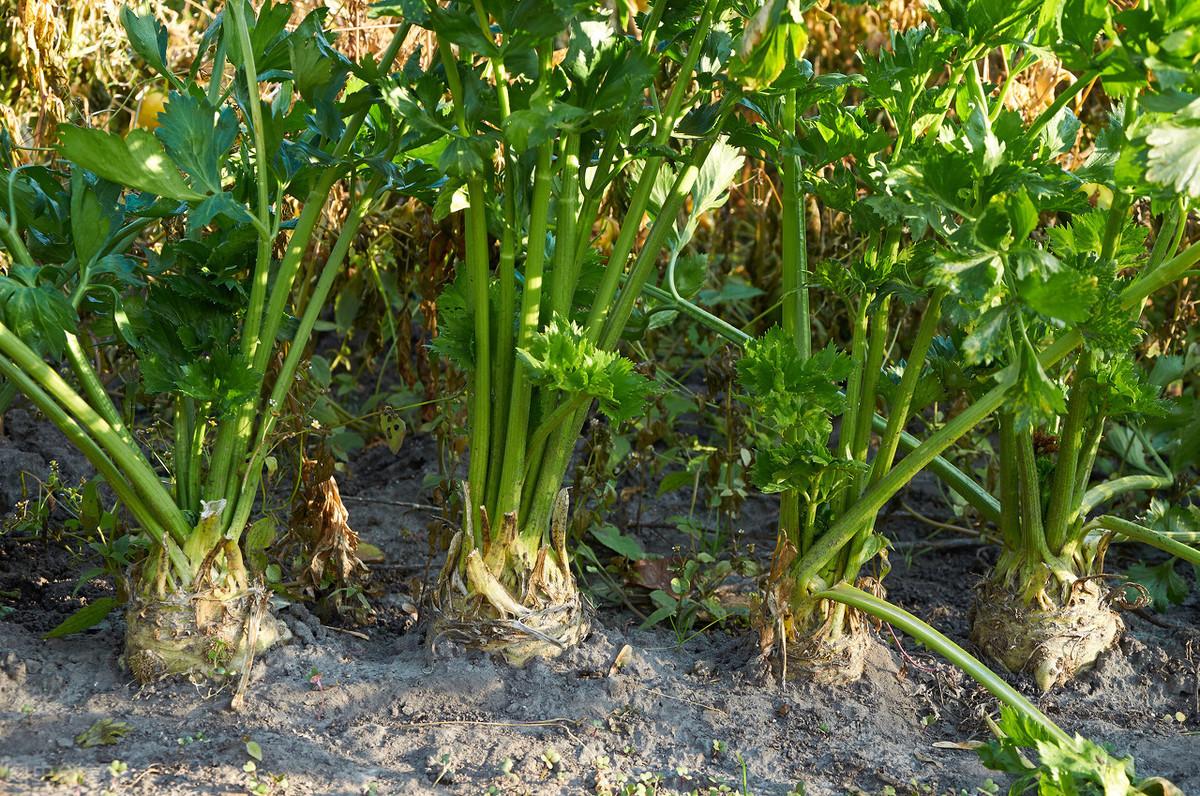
(811, 134)
(552, 113)
(202, 304)
(1014, 287)
(954, 186)
(1044, 608)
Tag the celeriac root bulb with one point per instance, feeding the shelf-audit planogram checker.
(509, 600)
(201, 635)
(1051, 638)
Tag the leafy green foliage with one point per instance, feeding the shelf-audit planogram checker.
(197, 137)
(561, 358)
(803, 467)
(166, 248)
(773, 37)
(1078, 766)
(35, 311)
(1164, 585)
(1173, 159)
(798, 395)
(148, 37)
(103, 732)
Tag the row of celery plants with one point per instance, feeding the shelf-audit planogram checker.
(541, 117)
(950, 197)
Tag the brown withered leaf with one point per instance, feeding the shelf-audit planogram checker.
(329, 546)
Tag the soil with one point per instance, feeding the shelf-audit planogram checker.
(389, 714)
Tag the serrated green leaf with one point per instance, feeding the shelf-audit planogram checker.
(320, 75)
(798, 395)
(465, 157)
(1066, 295)
(197, 136)
(562, 358)
(104, 732)
(38, 314)
(1037, 398)
(1174, 157)
(1164, 584)
(258, 538)
(988, 337)
(530, 128)
(147, 36)
(1060, 134)
(91, 218)
(772, 38)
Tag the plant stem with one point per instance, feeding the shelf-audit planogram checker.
(1166, 232)
(232, 435)
(1146, 535)
(183, 454)
(262, 265)
(501, 363)
(934, 640)
(1102, 493)
(958, 481)
(563, 275)
(512, 472)
(1010, 490)
(93, 389)
(478, 277)
(80, 437)
(12, 241)
(858, 346)
(868, 504)
(1154, 279)
(876, 349)
(1084, 80)
(848, 430)
(597, 322)
(650, 29)
(643, 266)
(479, 274)
(127, 457)
(1029, 500)
(243, 498)
(554, 421)
(314, 206)
(794, 262)
(902, 404)
(1087, 460)
(594, 192)
(1062, 509)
